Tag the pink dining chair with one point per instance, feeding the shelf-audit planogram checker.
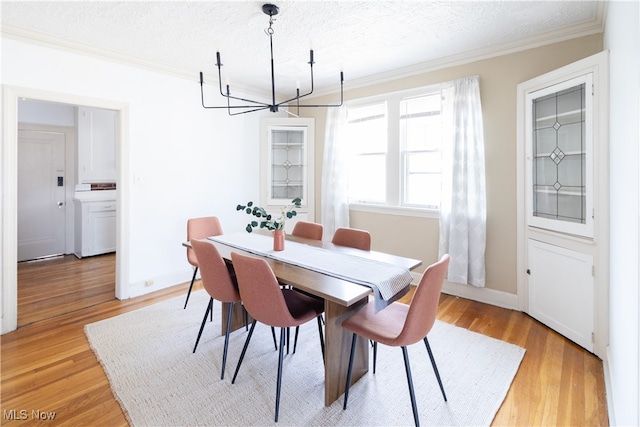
(199, 228)
(308, 230)
(353, 238)
(400, 325)
(219, 283)
(271, 305)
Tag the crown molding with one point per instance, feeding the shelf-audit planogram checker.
(79, 48)
(595, 26)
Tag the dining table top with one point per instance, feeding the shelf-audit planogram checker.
(341, 291)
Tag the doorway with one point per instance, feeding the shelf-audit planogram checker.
(11, 98)
(47, 216)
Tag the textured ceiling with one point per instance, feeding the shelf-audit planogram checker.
(366, 39)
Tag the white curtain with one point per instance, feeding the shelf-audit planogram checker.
(335, 204)
(463, 215)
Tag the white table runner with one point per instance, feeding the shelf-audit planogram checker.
(388, 282)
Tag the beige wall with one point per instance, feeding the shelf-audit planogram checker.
(418, 237)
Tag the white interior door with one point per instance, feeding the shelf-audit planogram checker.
(41, 194)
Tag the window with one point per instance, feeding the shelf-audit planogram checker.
(395, 150)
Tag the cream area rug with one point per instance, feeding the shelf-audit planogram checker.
(147, 356)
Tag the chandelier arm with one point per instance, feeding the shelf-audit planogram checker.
(248, 111)
(263, 104)
(298, 96)
(319, 105)
(326, 105)
(228, 95)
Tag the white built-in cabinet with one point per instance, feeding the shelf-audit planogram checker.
(563, 219)
(96, 145)
(96, 228)
(287, 165)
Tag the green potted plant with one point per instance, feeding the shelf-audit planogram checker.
(268, 221)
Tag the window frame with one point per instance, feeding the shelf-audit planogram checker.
(395, 164)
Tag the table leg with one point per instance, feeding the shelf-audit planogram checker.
(337, 350)
(237, 318)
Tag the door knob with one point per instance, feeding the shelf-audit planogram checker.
(60, 204)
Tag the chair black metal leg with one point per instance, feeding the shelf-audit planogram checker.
(346, 388)
(244, 350)
(287, 340)
(435, 367)
(279, 381)
(204, 320)
(295, 339)
(375, 355)
(273, 333)
(410, 383)
(320, 322)
(226, 341)
(193, 279)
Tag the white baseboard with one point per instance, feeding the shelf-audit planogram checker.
(160, 282)
(483, 295)
(608, 387)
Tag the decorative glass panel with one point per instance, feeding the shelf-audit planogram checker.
(559, 156)
(287, 164)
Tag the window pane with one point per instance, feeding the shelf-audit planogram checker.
(367, 129)
(420, 142)
(368, 137)
(367, 141)
(425, 162)
(367, 178)
(423, 190)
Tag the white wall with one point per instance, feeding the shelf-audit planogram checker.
(187, 161)
(46, 113)
(622, 38)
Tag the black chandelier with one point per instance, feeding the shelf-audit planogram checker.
(270, 10)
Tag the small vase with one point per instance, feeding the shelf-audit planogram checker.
(278, 240)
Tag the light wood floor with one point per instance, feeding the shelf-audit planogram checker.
(50, 287)
(47, 366)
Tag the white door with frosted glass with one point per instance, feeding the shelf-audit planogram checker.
(560, 212)
(41, 194)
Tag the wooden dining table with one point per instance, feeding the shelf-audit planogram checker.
(341, 298)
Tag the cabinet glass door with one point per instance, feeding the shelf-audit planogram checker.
(287, 163)
(559, 154)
